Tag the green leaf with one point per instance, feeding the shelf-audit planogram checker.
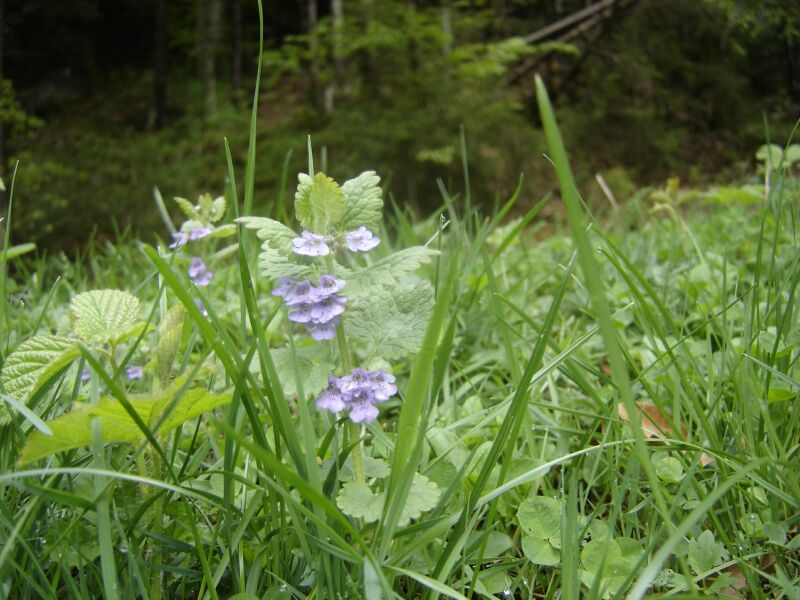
(168, 339)
(775, 532)
(358, 501)
(607, 564)
(188, 209)
(669, 469)
(102, 315)
(539, 551)
(275, 264)
(275, 234)
(319, 203)
(388, 271)
(392, 324)
(19, 250)
(793, 154)
(74, 429)
(312, 365)
(363, 202)
(32, 364)
(705, 553)
(770, 153)
(422, 497)
(540, 517)
(374, 468)
(751, 524)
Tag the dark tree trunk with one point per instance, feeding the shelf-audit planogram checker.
(237, 49)
(210, 24)
(159, 114)
(2, 74)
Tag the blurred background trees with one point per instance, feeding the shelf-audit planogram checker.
(101, 99)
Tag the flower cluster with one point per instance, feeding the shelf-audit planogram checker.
(317, 307)
(181, 238)
(313, 244)
(358, 393)
(199, 273)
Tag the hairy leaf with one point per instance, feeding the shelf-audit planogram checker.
(274, 264)
(312, 364)
(363, 202)
(35, 362)
(168, 339)
(275, 234)
(103, 315)
(392, 323)
(319, 203)
(74, 429)
(388, 271)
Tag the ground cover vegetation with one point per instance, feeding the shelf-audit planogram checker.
(342, 400)
(103, 100)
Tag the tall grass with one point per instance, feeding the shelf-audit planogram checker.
(535, 351)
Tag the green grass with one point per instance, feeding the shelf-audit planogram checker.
(535, 347)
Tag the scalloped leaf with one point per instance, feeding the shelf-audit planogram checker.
(33, 364)
(388, 271)
(273, 265)
(274, 233)
(103, 315)
(74, 429)
(363, 202)
(359, 501)
(319, 203)
(392, 324)
(313, 366)
(188, 208)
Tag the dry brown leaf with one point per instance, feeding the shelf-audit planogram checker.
(739, 583)
(654, 423)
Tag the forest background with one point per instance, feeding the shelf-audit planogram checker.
(101, 100)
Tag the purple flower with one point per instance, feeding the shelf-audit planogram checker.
(134, 372)
(328, 284)
(301, 313)
(323, 331)
(198, 233)
(86, 375)
(358, 393)
(327, 308)
(199, 273)
(383, 386)
(179, 240)
(362, 409)
(331, 399)
(361, 240)
(285, 284)
(302, 292)
(310, 244)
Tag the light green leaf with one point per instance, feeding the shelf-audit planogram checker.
(275, 234)
(770, 153)
(374, 468)
(312, 365)
(751, 524)
(74, 429)
(392, 324)
(705, 553)
(274, 264)
(539, 551)
(540, 517)
(168, 339)
(319, 203)
(33, 363)
(358, 501)
(5, 416)
(19, 250)
(388, 271)
(422, 497)
(363, 202)
(793, 154)
(775, 532)
(102, 315)
(669, 469)
(188, 209)
(610, 561)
